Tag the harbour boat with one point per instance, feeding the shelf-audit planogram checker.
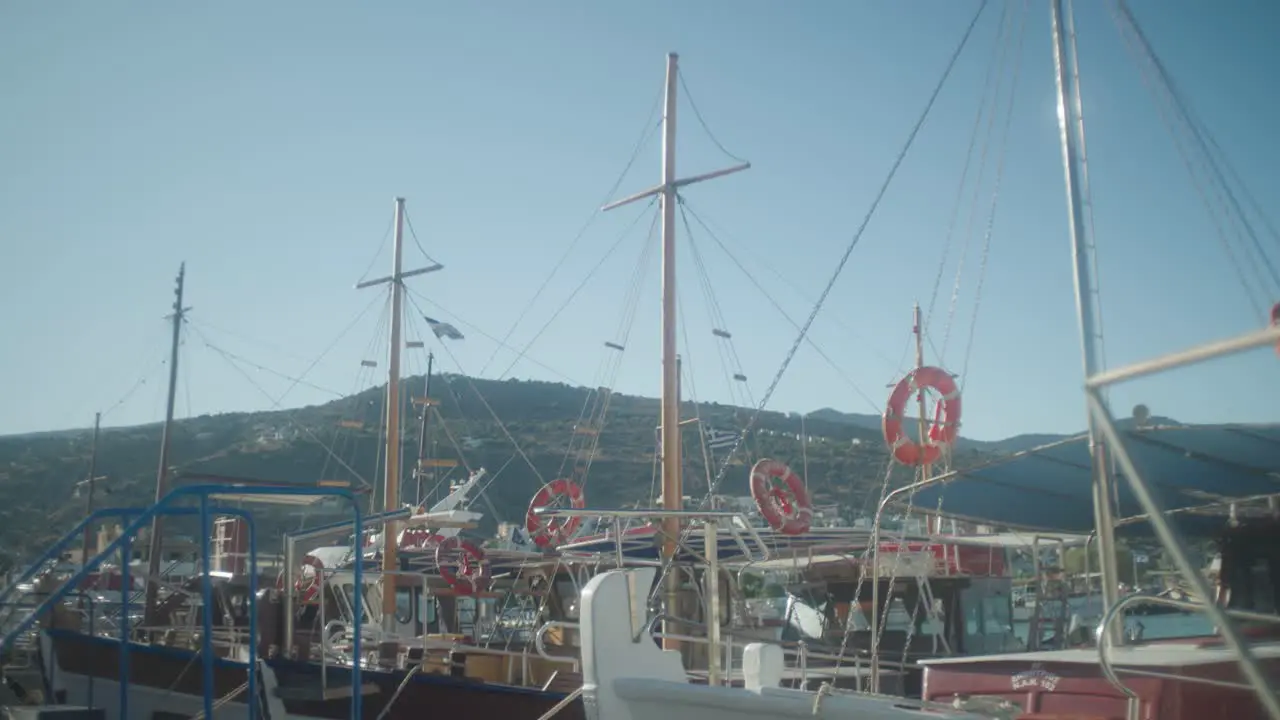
(1067, 488)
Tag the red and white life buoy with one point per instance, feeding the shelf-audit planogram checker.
(462, 565)
(419, 539)
(306, 587)
(781, 497)
(946, 423)
(552, 531)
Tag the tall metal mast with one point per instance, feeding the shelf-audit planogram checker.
(672, 486)
(391, 482)
(162, 474)
(1071, 134)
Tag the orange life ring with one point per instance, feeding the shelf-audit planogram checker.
(462, 565)
(551, 531)
(946, 424)
(418, 539)
(787, 508)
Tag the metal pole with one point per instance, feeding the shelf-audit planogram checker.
(1181, 556)
(672, 487)
(162, 474)
(1086, 306)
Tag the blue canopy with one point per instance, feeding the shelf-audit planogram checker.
(1049, 488)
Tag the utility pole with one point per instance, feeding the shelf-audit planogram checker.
(91, 482)
(162, 474)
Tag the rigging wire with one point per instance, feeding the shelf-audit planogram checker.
(480, 331)
(964, 176)
(256, 366)
(718, 234)
(1157, 78)
(133, 389)
(290, 415)
(697, 114)
(1006, 40)
(995, 199)
(386, 234)
(731, 364)
(409, 222)
(483, 401)
(612, 363)
(857, 236)
(650, 128)
(776, 306)
(590, 274)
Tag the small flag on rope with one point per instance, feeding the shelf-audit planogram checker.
(443, 329)
(721, 439)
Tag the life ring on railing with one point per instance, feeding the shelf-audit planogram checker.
(946, 423)
(462, 565)
(419, 539)
(305, 588)
(551, 531)
(786, 507)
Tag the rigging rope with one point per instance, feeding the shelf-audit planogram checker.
(777, 306)
(991, 215)
(964, 175)
(483, 401)
(290, 415)
(1157, 78)
(844, 259)
(609, 253)
(697, 114)
(1005, 41)
(650, 128)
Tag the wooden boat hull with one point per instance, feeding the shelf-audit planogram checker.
(168, 682)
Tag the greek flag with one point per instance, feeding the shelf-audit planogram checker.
(443, 329)
(721, 439)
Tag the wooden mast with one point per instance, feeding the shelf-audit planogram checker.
(391, 481)
(672, 487)
(162, 474)
(391, 489)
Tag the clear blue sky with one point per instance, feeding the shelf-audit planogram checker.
(263, 144)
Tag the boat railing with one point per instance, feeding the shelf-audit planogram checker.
(138, 518)
(1112, 672)
(800, 653)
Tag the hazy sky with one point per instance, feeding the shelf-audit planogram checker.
(263, 144)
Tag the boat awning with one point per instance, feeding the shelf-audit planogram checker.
(1195, 470)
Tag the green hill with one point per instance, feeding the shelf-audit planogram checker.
(38, 472)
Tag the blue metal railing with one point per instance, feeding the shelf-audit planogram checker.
(122, 544)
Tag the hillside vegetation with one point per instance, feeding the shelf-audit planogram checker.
(846, 458)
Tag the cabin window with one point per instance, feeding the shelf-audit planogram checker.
(1264, 597)
(404, 605)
